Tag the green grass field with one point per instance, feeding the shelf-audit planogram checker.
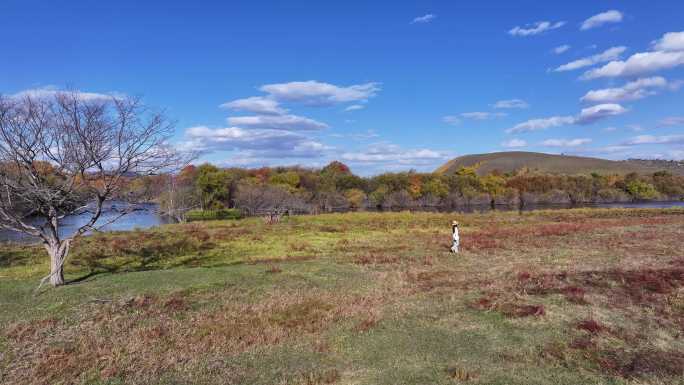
(581, 296)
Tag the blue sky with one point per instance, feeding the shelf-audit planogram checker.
(380, 86)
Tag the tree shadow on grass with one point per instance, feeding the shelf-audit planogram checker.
(134, 265)
(89, 277)
(11, 256)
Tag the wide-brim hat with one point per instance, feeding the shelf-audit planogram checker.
(454, 223)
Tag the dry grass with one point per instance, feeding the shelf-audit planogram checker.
(145, 336)
(599, 294)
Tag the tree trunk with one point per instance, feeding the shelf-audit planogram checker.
(58, 252)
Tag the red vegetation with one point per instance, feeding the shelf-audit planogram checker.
(638, 286)
(515, 236)
(574, 294)
(641, 362)
(583, 343)
(590, 326)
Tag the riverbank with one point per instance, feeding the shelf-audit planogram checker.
(149, 215)
(587, 296)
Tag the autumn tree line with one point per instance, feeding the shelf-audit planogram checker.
(335, 188)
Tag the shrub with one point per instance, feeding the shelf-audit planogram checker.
(612, 195)
(211, 215)
(356, 197)
(641, 190)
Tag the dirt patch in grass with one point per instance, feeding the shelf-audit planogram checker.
(300, 245)
(591, 326)
(231, 233)
(367, 323)
(273, 269)
(428, 280)
(320, 377)
(287, 258)
(333, 229)
(460, 374)
(376, 259)
(509, 307)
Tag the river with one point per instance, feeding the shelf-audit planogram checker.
(148, 216)
(145, 216)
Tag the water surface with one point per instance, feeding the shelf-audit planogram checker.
(144, 216)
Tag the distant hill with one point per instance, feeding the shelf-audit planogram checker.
(556, 164)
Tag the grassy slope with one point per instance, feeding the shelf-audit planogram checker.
(559, 164)
(554, 297)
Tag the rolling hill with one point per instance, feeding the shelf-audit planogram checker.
(556, 164)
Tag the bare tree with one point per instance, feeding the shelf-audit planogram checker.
(68, 154)
(178, 199)
(264, 199)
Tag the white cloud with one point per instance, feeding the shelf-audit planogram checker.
(50, 91)
(566, 142)
(634, 90)
(370, 134)
(514, 143)
(639, 63)
(613, 148)
(256, 104)
(600, 19)
(618, 152)
(675, 85)
(586, 116)
(318, 93)
(675, 154)
(671, 41)
(355, 107)
(423, 19)
(607, 55)
(268, 143)
(482, 115)
(651, 139)
(672, 121)
(535, 28)
(390, 153)
(561, 48)
(610, 129)
(451, 119)
(511, 103)
(598, 112)
(276, 122)
(255, 159)
(541, 124)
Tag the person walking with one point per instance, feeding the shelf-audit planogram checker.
(455, 236)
